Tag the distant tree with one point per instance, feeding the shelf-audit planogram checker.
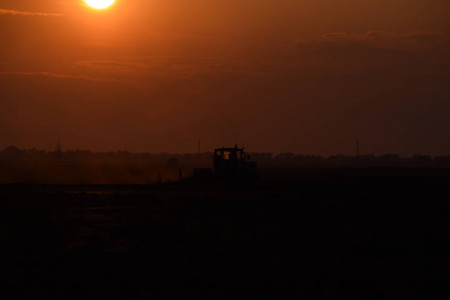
(390, 160)
(11, 152)
(422, 161)
(173, 164)
(442, 161)
(285, 157)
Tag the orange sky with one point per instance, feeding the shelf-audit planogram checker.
(277, 75)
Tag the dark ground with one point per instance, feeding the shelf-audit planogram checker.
(374, 233)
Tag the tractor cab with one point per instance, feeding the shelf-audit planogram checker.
(233, 162)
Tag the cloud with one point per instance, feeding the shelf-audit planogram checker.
(373, 47)
(380, 38)
(366, 35)
(386, 39)
(333, 52)
(55, 75)
(177, 66)
(424, 37)
(108, 66)
(26, 13)
(334, 35)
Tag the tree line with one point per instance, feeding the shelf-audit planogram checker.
(287, 159)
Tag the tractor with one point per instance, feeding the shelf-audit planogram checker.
(229, 163)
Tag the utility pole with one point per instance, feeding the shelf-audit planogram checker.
(58, 149)
(199, 153)
(357, 147)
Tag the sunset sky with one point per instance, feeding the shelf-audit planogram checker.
(297, 76)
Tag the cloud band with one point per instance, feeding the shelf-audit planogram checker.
(26, 13)
(57, 75)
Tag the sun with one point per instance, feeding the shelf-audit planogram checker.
(99, 4)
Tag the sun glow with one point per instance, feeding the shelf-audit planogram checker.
(99, 4)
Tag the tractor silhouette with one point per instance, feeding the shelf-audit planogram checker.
(229, 164)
